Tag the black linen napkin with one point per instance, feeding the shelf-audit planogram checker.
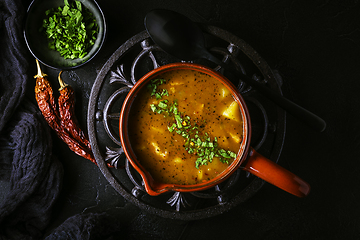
(26, 159)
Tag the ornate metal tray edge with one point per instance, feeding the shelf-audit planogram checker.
(177, 200)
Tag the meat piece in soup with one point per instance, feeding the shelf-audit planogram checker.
(185, 128)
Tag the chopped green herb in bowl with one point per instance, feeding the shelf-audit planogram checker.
(71, 29)
(64, 34)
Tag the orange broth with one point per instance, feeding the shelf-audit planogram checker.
(208, 103)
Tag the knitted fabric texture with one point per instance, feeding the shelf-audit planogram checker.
(26, 160)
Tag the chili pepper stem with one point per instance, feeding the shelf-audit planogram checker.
(40, 74)
(62, 84)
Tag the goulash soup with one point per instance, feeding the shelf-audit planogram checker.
(185, 127)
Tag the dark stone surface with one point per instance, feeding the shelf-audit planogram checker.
(315, 46)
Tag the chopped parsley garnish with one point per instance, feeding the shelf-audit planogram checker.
(153, 88)
(71, 29)
(196, 142)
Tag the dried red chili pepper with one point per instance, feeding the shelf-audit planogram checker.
(68, 118)
(75, 146)
(67, 113)
(63, 121)
(45, 98)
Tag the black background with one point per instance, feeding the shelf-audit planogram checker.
(315, 46)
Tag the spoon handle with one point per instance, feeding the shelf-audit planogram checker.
(299, 112)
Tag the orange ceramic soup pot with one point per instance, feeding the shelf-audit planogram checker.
(247, 158)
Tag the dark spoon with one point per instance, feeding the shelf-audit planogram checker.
(182, 38)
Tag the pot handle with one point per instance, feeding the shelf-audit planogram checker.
(269, 171)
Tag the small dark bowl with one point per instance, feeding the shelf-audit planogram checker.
(38, 42)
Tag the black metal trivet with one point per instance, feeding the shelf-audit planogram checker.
(130, 62)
